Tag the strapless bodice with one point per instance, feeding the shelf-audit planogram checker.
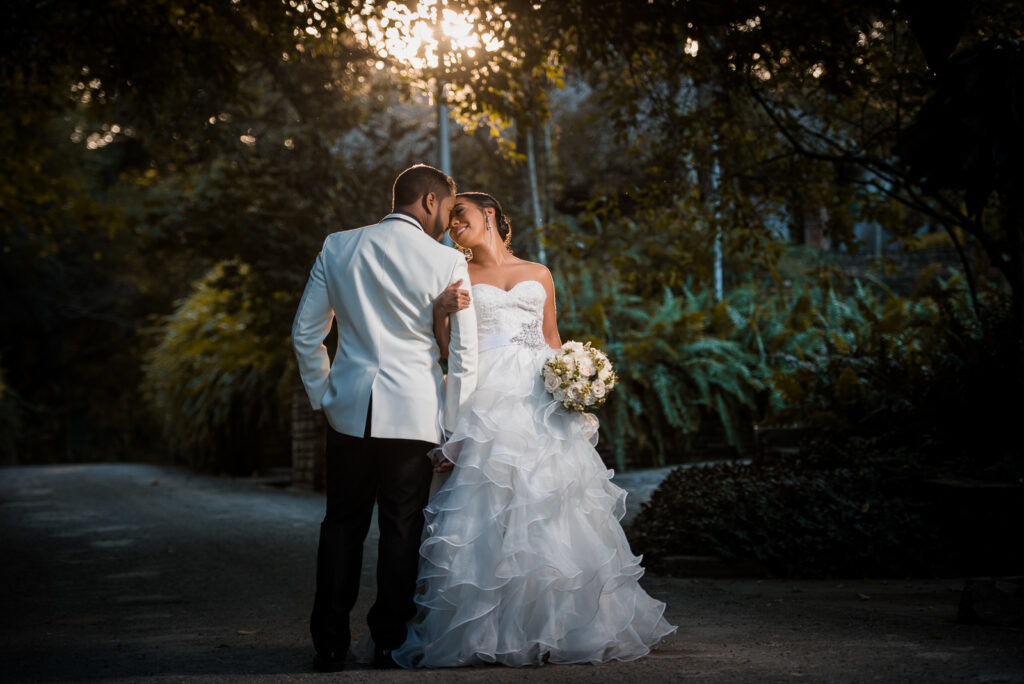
(515, 316)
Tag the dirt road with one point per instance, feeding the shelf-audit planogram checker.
(144, 573)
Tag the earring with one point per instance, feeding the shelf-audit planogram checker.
(489, 223)
(466, 251)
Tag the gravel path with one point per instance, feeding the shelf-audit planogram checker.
(144, 573)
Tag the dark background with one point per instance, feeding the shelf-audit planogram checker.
(168, 171)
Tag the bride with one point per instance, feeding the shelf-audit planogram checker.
(523, 560)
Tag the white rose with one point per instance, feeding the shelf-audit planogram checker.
(604, 374)
(573, 393)
(559, 394)
(586, 365)
(551, 382)
(570, 361)
(598, 389)
(573, 345)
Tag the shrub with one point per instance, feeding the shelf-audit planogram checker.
(924, 388)
(215, 378)
(792, 518)
(930, 374)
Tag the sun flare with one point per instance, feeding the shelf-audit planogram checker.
(414, 36)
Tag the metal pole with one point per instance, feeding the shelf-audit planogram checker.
(444, 152)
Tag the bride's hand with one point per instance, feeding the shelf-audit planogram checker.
(452, 299)
(445, 462)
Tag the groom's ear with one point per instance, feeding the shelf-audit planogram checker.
(429, 202)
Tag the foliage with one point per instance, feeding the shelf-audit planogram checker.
(215, 377)
(266, 125)
(964, 149)
(683, 358)
(125, 178)
(867, 362)
(70, 298)
(674, 369)
(927, 372)
(792, 518)
(684, 85)
(889, 105)
(897, 390)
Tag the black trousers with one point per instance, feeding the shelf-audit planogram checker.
(360, 470)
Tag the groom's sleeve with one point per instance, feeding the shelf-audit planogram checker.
(462, 353)
(309, 329)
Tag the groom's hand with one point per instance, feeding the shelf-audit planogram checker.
(452, 299)
(444, 466)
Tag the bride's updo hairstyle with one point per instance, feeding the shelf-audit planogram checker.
(501, 222)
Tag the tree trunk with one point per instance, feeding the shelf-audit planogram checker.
(1011, 264)
(538, 218)
(549, 175)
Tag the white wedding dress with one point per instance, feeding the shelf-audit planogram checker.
(524, 560)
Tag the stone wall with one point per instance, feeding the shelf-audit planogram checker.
(308, 441)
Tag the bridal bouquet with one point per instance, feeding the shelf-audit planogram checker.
(579, 376)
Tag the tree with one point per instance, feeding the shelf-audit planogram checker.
(846, 108)
(126, 177)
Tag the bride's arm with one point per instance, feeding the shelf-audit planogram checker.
(442, 327)
(452, 299)
(551, 335)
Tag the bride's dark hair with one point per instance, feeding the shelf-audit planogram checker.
(485, 201)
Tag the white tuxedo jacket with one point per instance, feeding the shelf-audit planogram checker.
(380, 282)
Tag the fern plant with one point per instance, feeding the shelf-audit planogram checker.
(674, 370)
(799, 358)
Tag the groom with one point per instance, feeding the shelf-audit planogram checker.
(385, 399)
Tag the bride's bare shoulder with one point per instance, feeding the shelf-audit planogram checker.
(533, 270)
(541, 273)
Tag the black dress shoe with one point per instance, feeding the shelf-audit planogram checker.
(382, 659)
(332, 661)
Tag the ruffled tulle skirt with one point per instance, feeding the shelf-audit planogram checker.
(524, 560)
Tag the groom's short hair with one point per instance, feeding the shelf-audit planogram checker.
(416, 181)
